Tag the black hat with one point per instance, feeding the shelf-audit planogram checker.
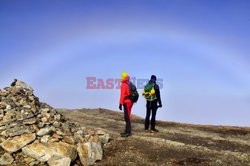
(153, 78)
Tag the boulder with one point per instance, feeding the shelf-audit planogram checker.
(103, 136)
(59, 161)
(45, 138)
(44, 131)
(6, 159)
(89, 152)
(16, 131)
(69, 139)
(45, 151)
(23, 85)
(16, 143)
(56, 124)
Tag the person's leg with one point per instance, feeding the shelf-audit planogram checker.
(148, 110)
(127, 119)
(154, 110)
(129, 108)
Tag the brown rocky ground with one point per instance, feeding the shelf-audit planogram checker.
(175, 144)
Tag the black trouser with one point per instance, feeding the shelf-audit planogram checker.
(127, 120)
(151, 106)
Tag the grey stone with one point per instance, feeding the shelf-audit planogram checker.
(17, 130)
(56, 124)
(29, 121)
(27, 106)
(44, 131)
(8, 107)
(89, 152)
(41, 124)
(45, 138)
(59, 161)
(6, 159)
(57, 117)
(23, 85)
(104, 137)
(44, 151)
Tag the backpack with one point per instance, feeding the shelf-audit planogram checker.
(134, 95)
(149, 92)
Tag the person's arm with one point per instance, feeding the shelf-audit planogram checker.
(158, 95)
(122, 96)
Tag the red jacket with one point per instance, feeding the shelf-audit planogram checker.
(125, 92)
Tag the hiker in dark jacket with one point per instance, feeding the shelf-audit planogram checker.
(153, 103)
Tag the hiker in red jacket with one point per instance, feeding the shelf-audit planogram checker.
(126, 103)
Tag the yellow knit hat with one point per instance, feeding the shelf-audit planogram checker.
(124, 75)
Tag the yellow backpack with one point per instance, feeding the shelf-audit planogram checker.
(149, 92)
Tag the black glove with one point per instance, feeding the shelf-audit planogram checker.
(120, 107)
(159, 106)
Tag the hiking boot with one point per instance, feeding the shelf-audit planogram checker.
(146, 130)
(129, 134)
(154, 130)
(125, 134)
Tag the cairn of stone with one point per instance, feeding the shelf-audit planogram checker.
(34, 133)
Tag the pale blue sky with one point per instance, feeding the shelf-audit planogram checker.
(199, 48)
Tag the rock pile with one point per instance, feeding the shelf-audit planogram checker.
(33, 133)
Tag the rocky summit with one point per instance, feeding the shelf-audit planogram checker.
(34, 133)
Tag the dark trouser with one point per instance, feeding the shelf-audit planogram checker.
(127, 118)
(151, 106)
